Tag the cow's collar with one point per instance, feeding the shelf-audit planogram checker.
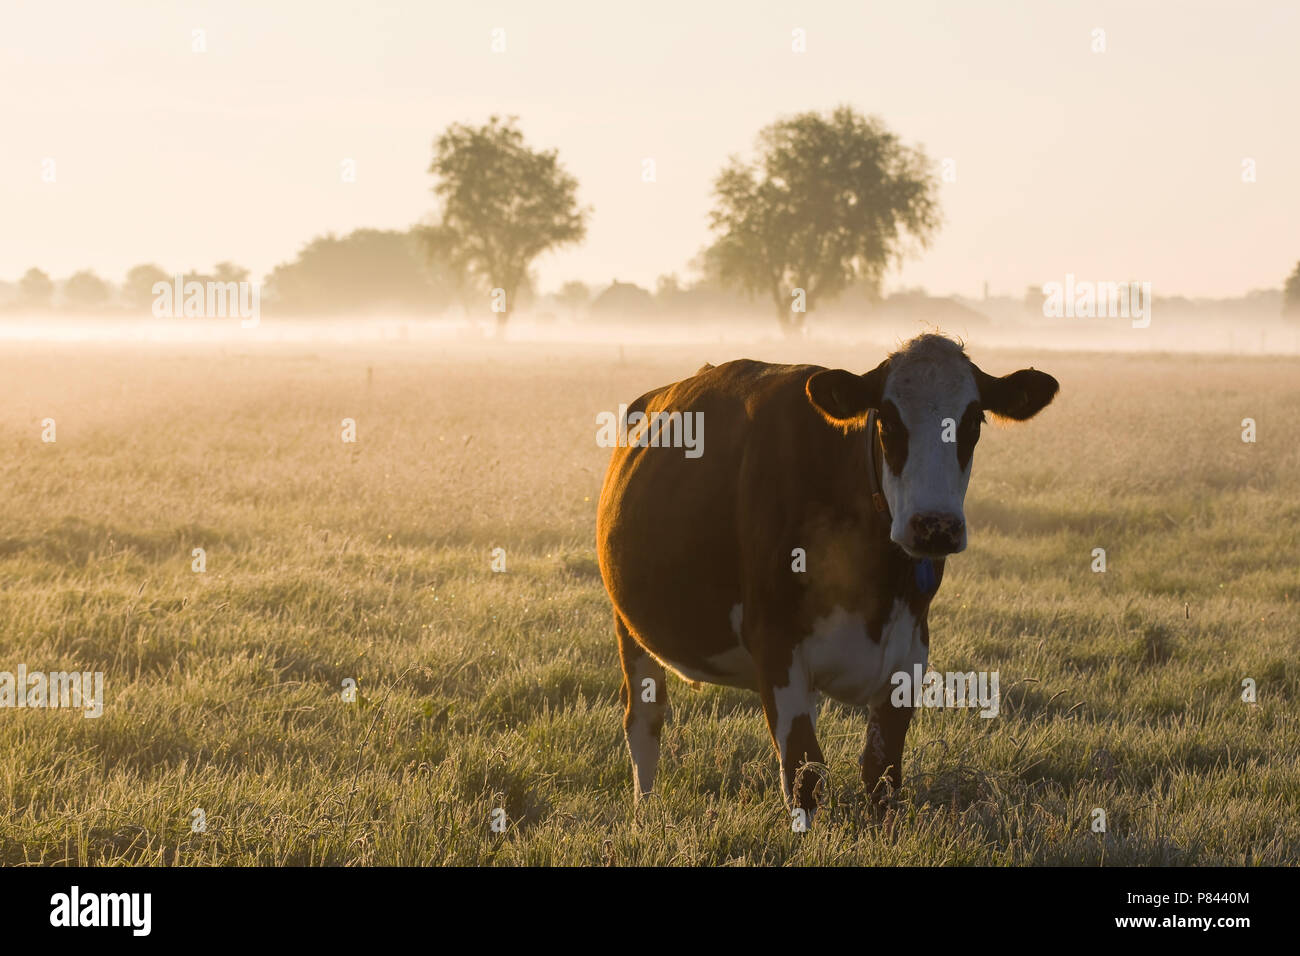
(875, 470)
(927, 581)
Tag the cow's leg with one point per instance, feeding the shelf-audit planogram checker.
(645, 701)
(882, 758)
(790, 705)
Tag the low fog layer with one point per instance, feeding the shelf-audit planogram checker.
(1167, 332)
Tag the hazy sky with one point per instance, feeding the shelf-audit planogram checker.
(1119, 165)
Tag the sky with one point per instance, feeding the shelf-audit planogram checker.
(1119, 165)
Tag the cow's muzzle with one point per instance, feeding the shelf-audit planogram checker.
(932, 534)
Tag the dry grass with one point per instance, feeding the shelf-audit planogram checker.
(325, 561)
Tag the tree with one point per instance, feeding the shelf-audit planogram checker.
(623, 300)
(573, 295)
(366, 270)
(36, 288)
(669, 293)
(137, 290)
(1034, 298)
(829, 200)
(85, 290)
(503, 204)
(1291, 294)
(229, 272)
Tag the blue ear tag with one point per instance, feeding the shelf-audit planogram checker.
(925, 580)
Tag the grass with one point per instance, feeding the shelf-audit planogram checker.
(372, 561)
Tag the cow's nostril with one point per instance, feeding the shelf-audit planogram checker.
(936, 532)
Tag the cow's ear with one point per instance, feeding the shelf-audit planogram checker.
(1018, 396)
(844, 398)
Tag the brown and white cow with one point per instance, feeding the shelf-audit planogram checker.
(698, 553)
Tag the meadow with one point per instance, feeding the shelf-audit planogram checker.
(372, 561)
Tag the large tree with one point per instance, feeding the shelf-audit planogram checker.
(1291, 294)
(829, 200)
(502, 205)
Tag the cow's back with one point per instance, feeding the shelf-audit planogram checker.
(668, 529)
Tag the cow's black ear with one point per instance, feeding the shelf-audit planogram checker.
(1018, 396)
(844, 398)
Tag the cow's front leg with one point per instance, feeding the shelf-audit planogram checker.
(882, 758)
(790, 705)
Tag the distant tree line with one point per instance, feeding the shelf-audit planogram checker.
(84, 291)
(386, 273)
(827, 205)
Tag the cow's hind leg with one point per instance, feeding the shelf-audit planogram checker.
(645, 701)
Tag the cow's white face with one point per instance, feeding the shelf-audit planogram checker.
(930, 401)
(929, 420)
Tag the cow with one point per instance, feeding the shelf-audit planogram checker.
(798, 554)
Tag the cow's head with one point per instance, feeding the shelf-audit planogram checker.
(930, 401)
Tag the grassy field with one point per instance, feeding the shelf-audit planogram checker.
(326, 561)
